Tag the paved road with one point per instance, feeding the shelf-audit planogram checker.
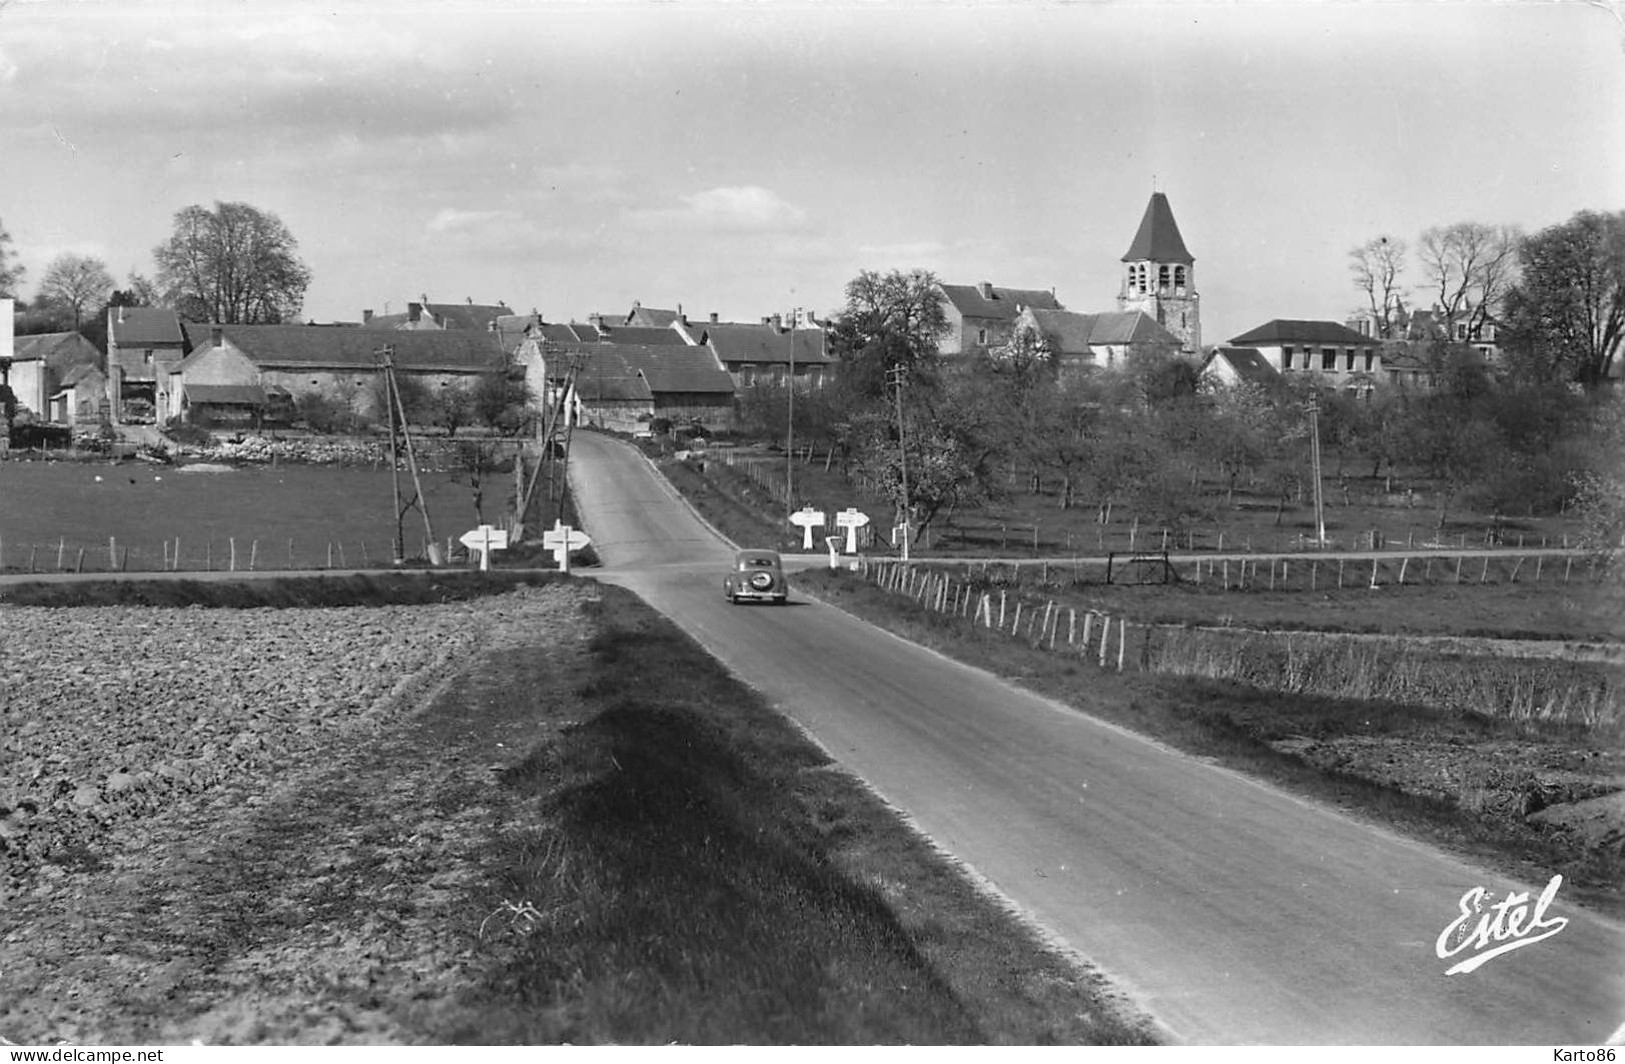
(1232, 912)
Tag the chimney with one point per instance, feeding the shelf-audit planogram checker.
(414, 311)
(778, 323)
(767, 319)
(121, 313)
(217, 336)
(713, 317)
(366, 316)
(470, 300)
(986, 288)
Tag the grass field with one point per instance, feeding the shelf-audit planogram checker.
(288, 516)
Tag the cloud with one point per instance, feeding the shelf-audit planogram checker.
(451, 219)
(735, 209)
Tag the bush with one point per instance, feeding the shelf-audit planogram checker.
(190, 435)
(41, 436)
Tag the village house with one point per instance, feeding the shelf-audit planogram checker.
(1336, 354)
(38, 372)
(769, 352)
(625, 386)
(981, 316)
(143, 344)
(1231, 366)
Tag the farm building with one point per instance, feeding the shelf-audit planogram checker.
(38, 366)
(1074, 340)
(623, 386)
(143, 344)
(286, 361)
(981, 316)
(755, 354)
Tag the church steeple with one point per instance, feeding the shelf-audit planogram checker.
(1159, 277)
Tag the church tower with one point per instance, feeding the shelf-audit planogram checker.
(1159, 276)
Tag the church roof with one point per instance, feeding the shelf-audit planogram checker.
(1068, 332)
(1158, 239)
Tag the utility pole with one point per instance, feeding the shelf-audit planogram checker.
(398, 410)
(1314, 453)
(896, 375)
(790, 423)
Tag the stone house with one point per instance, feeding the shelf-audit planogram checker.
(768, 352)
(38, 366)
(81, 399)
(981, 316)
(143, 344)
(288, 361)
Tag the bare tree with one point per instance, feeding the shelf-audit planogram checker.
(1470, 268)
(74, 284)
(234, 263)
(1376, 266)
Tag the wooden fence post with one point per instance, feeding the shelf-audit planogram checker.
(233, 541)
(1088, 625)
(1105, 635)
(1122, 640)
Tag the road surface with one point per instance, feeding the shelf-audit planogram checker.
(1231, 912)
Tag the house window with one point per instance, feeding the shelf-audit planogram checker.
(1348, 360)
(1328, 359)
(981, 336)
(1461, 330)
(1286, 358)
(1370, 358)
(146, 357)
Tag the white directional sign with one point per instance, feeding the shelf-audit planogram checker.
(485, 539)
(561, 539)
(808, 519)
(851, 520)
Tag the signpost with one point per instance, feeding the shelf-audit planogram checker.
(851, 520)
(807, 519)
(834, 545)
(561, 539)
(485, 539)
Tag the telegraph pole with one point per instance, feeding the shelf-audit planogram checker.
(897, 375)
(790, 423)
(1314, 453)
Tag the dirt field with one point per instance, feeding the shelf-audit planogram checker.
(201, 845)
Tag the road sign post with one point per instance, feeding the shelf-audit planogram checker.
(485, 539)
(561, 539)
(851, 520)
(807, 519)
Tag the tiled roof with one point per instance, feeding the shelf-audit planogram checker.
(279, 346)
(467, 315)
(58, 350)
(650, 316)
(143, 326)
(1293, 331)
(81, 372)
(665, 369)
(651, 335)
(607, 376)
(225, 394)
(969, 301)
(764, 344)
(1158, 239)
(1248, 364)
(1068, 332)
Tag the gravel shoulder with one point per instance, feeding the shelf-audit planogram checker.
(252, 826)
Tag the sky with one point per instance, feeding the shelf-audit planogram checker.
(750, 158)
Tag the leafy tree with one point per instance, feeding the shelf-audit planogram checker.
(453, 408)
(502, 402)
(11, 271)
(234, 263)
(417, 398)
(889, 321)
(1377, 265)
(74, 284)
(1566, 318)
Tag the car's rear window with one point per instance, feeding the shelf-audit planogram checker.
(757, 563)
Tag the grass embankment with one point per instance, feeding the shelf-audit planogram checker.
(1487, 771)
(658, 856)
(694, 870)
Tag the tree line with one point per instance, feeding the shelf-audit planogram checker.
(231, 263)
